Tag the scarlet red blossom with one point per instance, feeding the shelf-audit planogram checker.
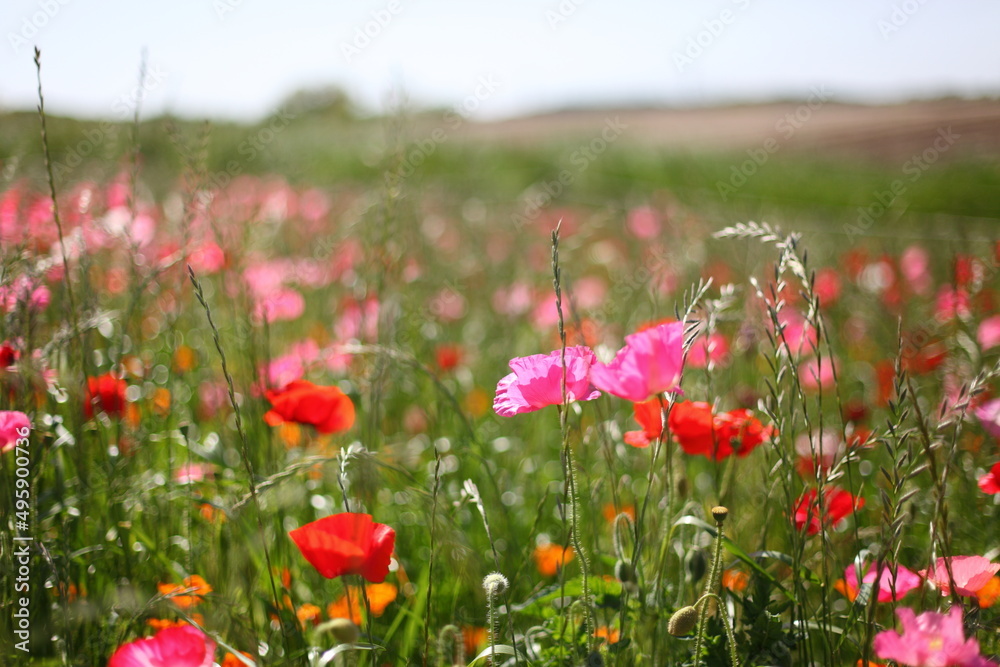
(347, 543)
(715, 436)
(108, 394)
(990, 482)
(327, 408)
(837, 505)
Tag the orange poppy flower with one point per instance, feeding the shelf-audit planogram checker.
(612, 635)
(380, 596)
(232, 661)
(308, 612)
(610, 512)
(989, 593)
(187, 594)
(327, 408)
(735, 580)
(551, 557)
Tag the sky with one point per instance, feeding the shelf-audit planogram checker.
(488, 59)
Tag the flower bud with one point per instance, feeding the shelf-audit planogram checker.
(683, 621)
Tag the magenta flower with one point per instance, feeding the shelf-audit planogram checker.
(989, 416)
(13, 425)
(649, 364)
(183, 646)
(988, 333)
(970, 573)
(537, 381)
(930, 640)
(906, 581)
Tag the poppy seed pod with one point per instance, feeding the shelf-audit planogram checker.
(719, 513)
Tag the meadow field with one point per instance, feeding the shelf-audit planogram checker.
(333, 390)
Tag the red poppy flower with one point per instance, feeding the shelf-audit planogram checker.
(699, 432)
(990, 482)
(327, 408)
(837, 505)
(347, 543)
(108, 393)
(650, 416)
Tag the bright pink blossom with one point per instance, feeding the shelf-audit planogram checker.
(12, 427)
(649, 364)
(537, 381)
(905, 581)
(970, 574)
(989, 416)
(183, 646)
(990, 482)
(930, 640)
(714, 348)
(988, 334)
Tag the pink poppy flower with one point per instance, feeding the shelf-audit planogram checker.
(183, 646)
(906, 580)
(990, 482)
(930, 640)
(12, 425)
(537, 381)
(817, 374)
(915, 264)
(951, 303)
(989, 416)
(649, 364)
(643, 222)
(988, 334)
(714, 348)
(284, 304)
(970, 573)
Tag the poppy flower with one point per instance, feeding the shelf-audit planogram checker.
(735, 581)
(13, 425)
(380, 596)
(108, 394)
(989, 416)
(347, 543)
(649, 414)
(537, 381)
(989, 593)
(990, 482)
(8, 355)
(187, 594)
(837, 505)
(327, 408)
(716, 436)
(232, 661)
(551, 557)
(988, 334)
(930, 640)
(904, 582)
(970, 574)
(649, 364)
(184, 646)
